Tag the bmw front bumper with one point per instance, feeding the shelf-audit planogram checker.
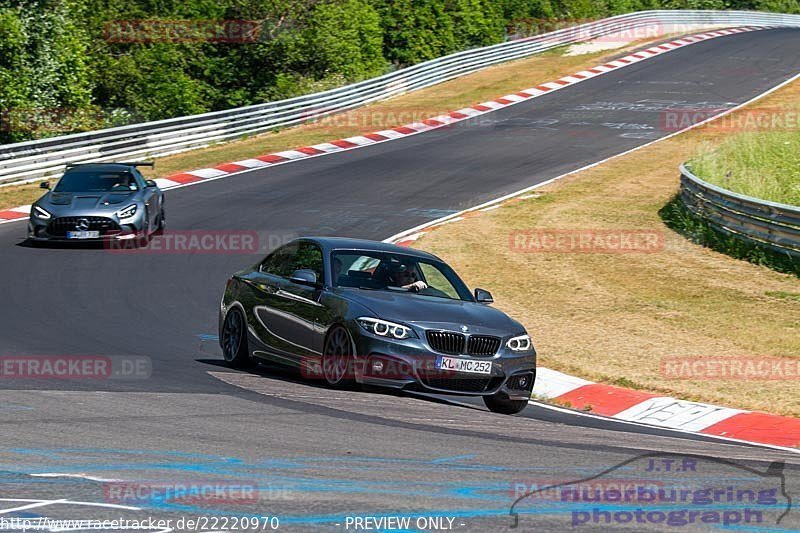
(411, 364)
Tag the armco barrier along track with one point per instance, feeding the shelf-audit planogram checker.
(467, 113)
(35, 159)
(769, 224)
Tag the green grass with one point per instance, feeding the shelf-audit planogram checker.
(783, 295)
(761, 164)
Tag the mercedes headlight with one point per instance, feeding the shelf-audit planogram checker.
(128, 212)
(384, 328)
(41, 213)
(521, 343)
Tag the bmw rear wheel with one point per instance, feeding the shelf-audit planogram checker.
(337, 358)
(499, 403)
(234, 340)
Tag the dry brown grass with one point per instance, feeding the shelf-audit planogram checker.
(613, 317)
(481, 86)
(17, 195)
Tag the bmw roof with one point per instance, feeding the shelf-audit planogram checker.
(345, 243)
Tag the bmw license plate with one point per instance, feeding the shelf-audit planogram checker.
(83, 234)
(464, 365)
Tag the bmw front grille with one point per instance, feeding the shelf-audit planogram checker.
(452, 343)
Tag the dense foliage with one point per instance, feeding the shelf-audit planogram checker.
(62, 61)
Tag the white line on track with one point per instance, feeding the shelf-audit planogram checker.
(72, 502)
(726, 440)
(39, 503)
(77, 476)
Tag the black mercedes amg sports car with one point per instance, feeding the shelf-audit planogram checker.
(356, 311)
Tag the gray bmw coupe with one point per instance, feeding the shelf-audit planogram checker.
(355, 311)
(97, 201)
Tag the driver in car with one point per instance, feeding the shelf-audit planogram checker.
(405, 277)
(337, 269)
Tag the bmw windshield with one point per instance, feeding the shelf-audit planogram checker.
(97, 182)
(373, 270)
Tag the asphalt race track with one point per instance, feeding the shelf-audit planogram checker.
(318, 456)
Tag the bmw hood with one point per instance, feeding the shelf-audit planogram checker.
(88, 201)
(431, 311)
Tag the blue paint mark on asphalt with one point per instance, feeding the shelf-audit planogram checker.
(61, 453)
(207, 337)
(453, 459)
(277, 478)
(15, 407)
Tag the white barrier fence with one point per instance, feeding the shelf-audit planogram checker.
(768, 224)
(32, 160)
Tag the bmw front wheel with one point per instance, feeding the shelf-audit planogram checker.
(499, 403)
(162, 221)
(337, 358)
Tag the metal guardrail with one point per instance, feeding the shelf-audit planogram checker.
(35, 159)
(769, 224)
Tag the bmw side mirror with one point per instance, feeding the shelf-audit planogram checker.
(45, 185)
(483, 296)
(151, 183)
(304, 277)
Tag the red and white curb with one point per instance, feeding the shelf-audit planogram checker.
(9, 215)
(237, 167)
(667, 412)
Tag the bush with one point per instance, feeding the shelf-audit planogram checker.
(416, 30)
(346, 38)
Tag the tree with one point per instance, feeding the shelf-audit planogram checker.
(778, 6)
(345, 37)
(43, 63)
(416, 30)
(476, 22)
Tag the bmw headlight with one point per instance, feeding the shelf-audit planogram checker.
(384, 328)
(521, 343)
(128, 212)
(41, 213)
